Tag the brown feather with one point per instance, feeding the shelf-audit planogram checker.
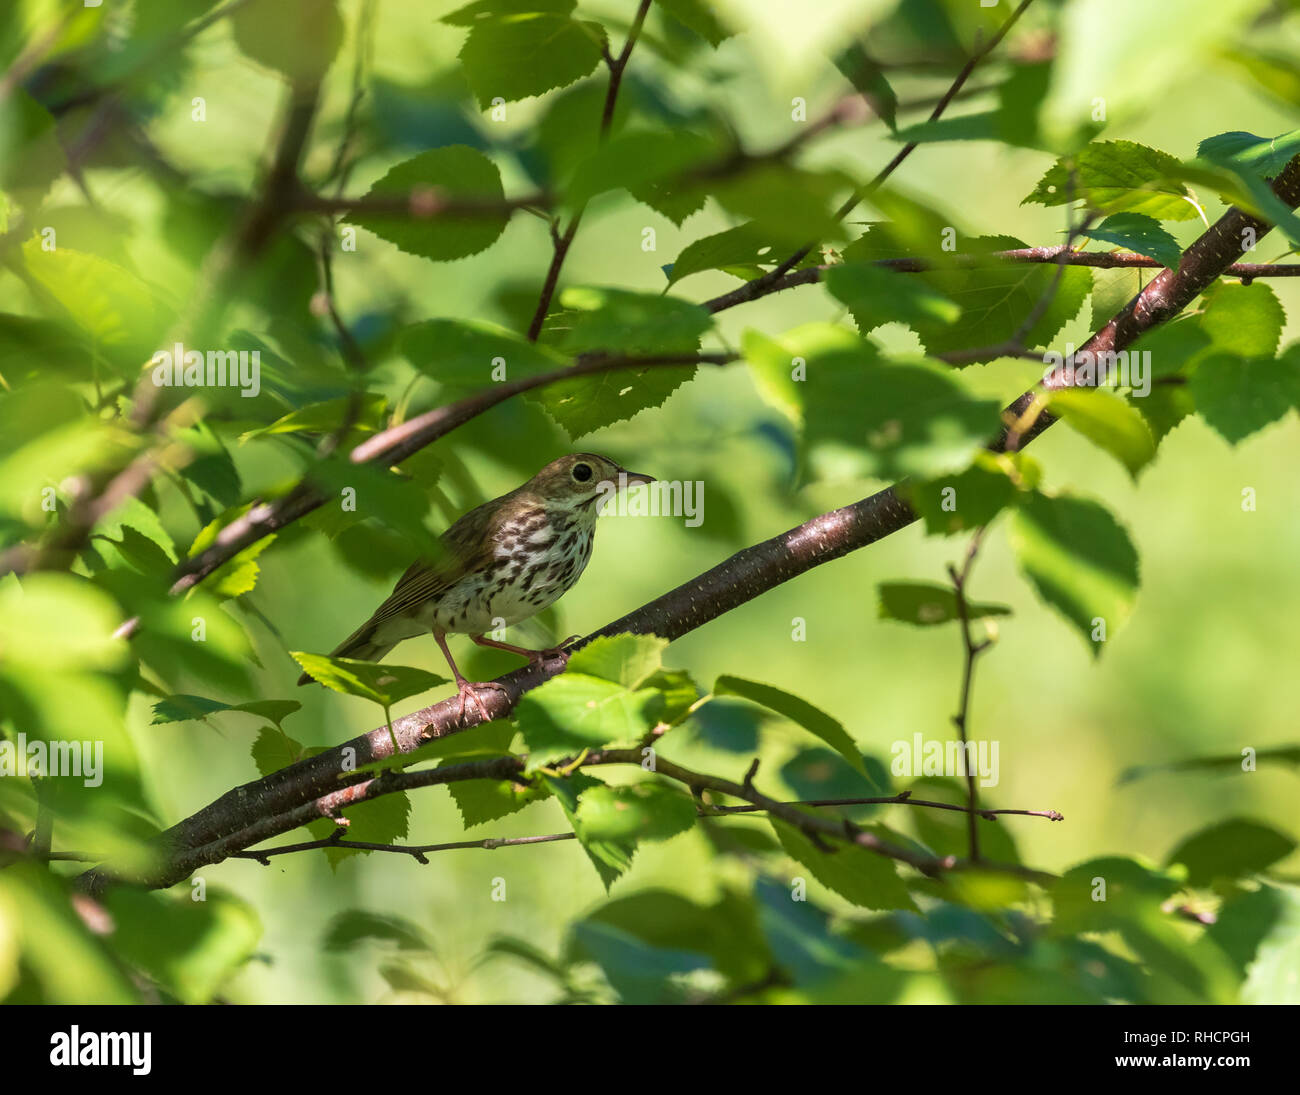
(469, 545)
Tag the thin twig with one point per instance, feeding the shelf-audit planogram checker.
(564, 241)
(972, 650)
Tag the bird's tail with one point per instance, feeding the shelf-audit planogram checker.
(360, 645)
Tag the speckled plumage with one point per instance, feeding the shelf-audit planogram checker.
(504, 562)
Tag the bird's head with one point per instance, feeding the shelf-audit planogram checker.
(582, 480)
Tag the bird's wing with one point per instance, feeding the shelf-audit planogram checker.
(468, 546)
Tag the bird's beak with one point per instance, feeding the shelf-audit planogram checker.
(631, 477)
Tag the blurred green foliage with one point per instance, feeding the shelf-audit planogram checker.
(136, 141)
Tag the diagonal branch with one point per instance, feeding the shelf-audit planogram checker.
(1105, 260)
(746, 575)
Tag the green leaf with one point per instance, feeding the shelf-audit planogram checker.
(899, 419)
(515, 56)
(483, 800)
(189, 947)
(643, 811)
(591, 402)
(353, 926)
(727, 931)
(486, 10)
(1263, 156)
(238, 575)
(1230, 849)
(779, 368)
(576, 711)
(383, 684)
(184, 708)
(968, 127)
(797, 711)
(928, 603)
(109, 303)
(1107, 421)
(627, 660)
(789, 204)
(1243, 319)
(1120, 177)
(384, 820)
(327, 416)
(1239, 397)
(700, 17)
(1014, 122)
(1273, 70)
(1141, 234)
(455, 172)
(1171, 346)
(1080, 560)
(274, 750)
(868, 79)
(817, 773)
(962, 502)
(62, 959)
(610, 857)
(1132, 889)
(134, 514)
(868, 880)
(375, 493)
(802, 939)
(1113, 289)
(467, 356)
(639, 162)
(876, 296)
(1227, 764)
(996, 300)
(298, 38)
(182, 636)
(742, 250)
(58, 621)
(640, 974)
(633, 323)
(1273, 977)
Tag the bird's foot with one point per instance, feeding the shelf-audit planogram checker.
(469, 693)
(537, 657)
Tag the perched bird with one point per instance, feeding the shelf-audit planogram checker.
(505, 561)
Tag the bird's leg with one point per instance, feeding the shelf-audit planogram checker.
(533, 656)
(468, 689)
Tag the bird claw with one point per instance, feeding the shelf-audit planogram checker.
(469, 691)
(556, 651)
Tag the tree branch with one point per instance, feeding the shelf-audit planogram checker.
(419, 851)
(394, 445)
(972, 650)
(744, 576)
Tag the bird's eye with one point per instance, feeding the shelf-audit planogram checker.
(582, 472)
